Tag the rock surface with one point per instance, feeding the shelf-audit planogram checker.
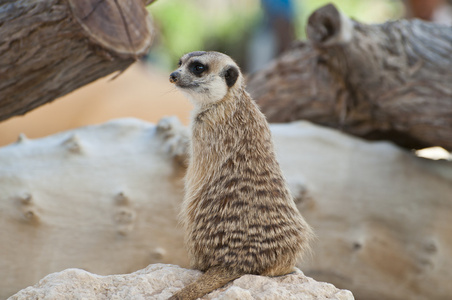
(160, 281)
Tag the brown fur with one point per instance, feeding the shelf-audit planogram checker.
(239, 215)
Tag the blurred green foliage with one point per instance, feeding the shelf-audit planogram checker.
(186, 26)
(375, 11)
(226, 25)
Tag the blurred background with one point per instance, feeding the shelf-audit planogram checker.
(251, 31)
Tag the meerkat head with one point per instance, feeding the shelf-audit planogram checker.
(206, 77)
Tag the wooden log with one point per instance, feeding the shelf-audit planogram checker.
(105, 198)
(387, 81)
(49, 48)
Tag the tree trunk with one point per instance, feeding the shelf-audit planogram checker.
(390, 81)
(49, 48)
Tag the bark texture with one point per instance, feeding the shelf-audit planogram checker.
(389, 81)
(49, 48)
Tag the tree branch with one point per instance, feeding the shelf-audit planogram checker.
(390, 81)
(52, 47)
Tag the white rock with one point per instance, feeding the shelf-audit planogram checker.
(160, 281)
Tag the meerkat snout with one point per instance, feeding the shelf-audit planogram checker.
(174, 76)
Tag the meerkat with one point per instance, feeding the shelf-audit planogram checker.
(238, 213)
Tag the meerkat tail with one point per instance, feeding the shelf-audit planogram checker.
(211, 280)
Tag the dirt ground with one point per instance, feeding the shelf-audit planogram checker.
(140, 92)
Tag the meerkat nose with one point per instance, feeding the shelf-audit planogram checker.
(174, 77)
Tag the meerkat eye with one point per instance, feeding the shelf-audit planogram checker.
(198, 68)
(180, 62)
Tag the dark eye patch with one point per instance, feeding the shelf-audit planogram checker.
(180, 62)
(197, 68)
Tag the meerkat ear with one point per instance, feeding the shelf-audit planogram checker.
(230, 75)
